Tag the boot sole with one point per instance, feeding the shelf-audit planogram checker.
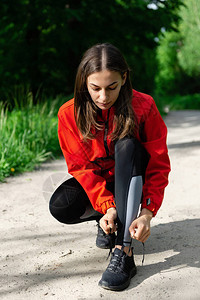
(103, 246)
(121, 287)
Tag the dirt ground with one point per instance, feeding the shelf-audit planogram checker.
(41, 258)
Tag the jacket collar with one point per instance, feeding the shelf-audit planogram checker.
(102, 115)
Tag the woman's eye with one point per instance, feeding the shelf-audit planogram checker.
(112, 89)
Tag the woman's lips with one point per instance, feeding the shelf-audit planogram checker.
(104, 104)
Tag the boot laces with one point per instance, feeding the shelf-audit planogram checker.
(116, 263)
(143, 253)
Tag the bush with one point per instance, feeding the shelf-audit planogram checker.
(177, 102)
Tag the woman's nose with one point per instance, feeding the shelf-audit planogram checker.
(103, 95)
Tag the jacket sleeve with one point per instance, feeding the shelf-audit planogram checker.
(87, 173)
(154, 135)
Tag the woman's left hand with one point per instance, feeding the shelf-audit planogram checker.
(140, 227)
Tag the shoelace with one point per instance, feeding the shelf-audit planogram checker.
(110, 245)
(115, 262)
(143, 253)
(102, 233)
(110, 251)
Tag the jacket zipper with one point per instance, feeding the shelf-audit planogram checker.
(106, 134)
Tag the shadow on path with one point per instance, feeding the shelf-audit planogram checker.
(184, 145)
(181, 237)
(183, 118)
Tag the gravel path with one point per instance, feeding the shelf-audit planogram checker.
(43, 259)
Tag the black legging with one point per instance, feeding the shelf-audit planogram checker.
(70, 204)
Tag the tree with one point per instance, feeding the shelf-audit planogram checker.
(178, 53)
(168, 77)
(189, 54)
(42, 41)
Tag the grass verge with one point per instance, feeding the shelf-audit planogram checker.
(28, 136)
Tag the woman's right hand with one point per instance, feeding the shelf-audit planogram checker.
(107, 222)
(140, 227)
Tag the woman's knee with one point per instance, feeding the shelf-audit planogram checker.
(66, 203)
(126, 145)
(125, 151)
(130, 154)
(58, 214)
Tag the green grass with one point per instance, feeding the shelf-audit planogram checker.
(28, 136)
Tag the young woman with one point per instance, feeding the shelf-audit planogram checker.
(114, 142)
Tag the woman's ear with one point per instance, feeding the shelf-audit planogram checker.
(124, 78)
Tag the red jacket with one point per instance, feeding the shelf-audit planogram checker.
(84, 159)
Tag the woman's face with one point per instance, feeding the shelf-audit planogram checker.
(104, 87)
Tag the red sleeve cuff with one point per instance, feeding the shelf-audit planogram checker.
(150, 205)
(106, 205)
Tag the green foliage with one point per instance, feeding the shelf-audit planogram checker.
(166, 103)
(28, 136)
(189, 54)
(178, 54)
(168, 77)
(42, 42)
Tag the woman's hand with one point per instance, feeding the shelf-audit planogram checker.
(140, 227)
(107, 222)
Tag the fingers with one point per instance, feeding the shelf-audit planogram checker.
(107, 222)
(112, 225)
(108, 225)
(133, 229)
(142, 236)
(104, 225)
(140, 229)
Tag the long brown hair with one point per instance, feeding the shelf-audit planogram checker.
(95, 59)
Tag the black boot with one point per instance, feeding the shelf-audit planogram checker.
(119, 272)
(103, 240)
